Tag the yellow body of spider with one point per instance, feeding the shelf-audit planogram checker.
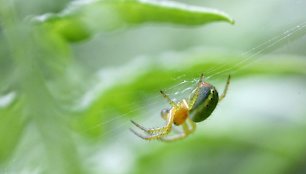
(201, 103)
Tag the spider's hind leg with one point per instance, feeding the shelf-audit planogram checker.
(186, 129)
(225, 89)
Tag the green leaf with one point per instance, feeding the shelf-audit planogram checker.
(232, 152)
(80, 21)
(11, 130)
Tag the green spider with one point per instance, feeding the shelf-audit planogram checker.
(201, 103)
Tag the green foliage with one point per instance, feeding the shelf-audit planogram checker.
(229, 153)
(45, 129)
(80, 21)
(12, 124)
(38, 53)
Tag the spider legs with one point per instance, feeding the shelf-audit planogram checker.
(196, 92)
(184, 134)
(168, 115)
(225, 89)
(171, 102)
(149, 131)
(162, 136)
(156, 133)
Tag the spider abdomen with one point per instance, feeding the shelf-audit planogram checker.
(205, 103)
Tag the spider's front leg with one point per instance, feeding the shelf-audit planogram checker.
(156, 133)
(150, 130)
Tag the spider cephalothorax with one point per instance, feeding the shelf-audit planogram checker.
(201, 103)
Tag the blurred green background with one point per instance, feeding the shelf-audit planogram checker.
(73, 73)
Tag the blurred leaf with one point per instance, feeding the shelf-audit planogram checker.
(82, 20)
(276, 150)
(37, 58)
(12, 124)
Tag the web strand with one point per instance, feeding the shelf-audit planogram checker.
(184, 86)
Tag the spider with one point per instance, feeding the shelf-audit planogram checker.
(186, 113)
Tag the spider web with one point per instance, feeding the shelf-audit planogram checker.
(183, 87)
(148, 114)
